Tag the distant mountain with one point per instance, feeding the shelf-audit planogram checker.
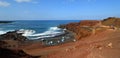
(6, 21)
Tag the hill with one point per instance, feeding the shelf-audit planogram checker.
(111, 21)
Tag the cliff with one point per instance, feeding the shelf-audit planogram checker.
(86, 28)
(83, 28)
(111, 21)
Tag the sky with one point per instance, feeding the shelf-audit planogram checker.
(58, 9)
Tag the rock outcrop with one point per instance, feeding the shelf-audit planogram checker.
(88, 27)
(9, 53)
(9, 44)
(111, 21)
(13, 36)
(83, 28)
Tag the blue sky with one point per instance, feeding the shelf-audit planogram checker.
(58, 9)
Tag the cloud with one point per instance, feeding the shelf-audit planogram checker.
(4, 4)
(20, 1)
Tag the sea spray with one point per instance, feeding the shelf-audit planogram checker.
(31, 34)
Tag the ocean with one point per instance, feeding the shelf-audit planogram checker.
(35, 29)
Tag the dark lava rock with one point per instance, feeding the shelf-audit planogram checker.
(12, 40)
(13, 36)
(9, 43)
(2, 43)
(8, 53)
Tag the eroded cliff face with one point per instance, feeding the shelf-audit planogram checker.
(89, 27)
(83, 28)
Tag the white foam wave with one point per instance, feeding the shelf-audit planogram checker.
(26, 32)
(51, 32)
(4, 31)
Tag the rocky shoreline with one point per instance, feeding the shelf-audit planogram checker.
(13, 36)
(13, 42)
(83, 34)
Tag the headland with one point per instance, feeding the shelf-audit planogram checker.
(84, 39)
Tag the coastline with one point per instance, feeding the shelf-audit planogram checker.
(87, 39)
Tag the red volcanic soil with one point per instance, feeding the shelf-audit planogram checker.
(103, 45)
(94, 41)
(83, 28)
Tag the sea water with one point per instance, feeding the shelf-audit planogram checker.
(35, 29)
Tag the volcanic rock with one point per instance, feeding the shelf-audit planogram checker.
(83, 28)
(13, 36)
(111, 21)
(9, 53)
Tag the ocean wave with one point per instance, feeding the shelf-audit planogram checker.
(26, 32)
(51, 32)
(2, 32)
(5, 31)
